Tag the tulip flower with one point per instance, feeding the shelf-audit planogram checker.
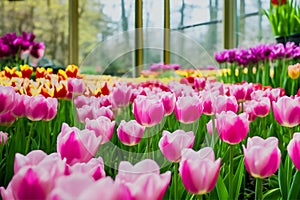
(144, 179)
(199, 170)
(31, 159)
(106, 188)
(232, 128)
(225, 103)
(130, 133)
(3, 137)
(293, 149)
(7, 98)
(72, 71)
(287, 111)
(94, 168)
(262, 157)
(7, 119)
(40, 108)
(171, 144)
(28, 183)
(77, 145)
(148, 111)
(188, 109)
(102, 126)
(239, 92)
(121, 94)
(168, 100)
(76, 86)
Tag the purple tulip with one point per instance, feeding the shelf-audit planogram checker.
(37, 50)
(188, 109)
(130, 133)
(293, 149)
(262, 157)
(102, 126)
(77, 145)
(148, 111)
(232, 128)
(287, 111)
(171, 144)
(7, 98)
(199, 170)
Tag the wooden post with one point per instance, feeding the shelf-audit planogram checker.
(138, 37)
(166, 31)
(73, 32)
(229, 24)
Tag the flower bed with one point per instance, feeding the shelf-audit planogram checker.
(70, 136)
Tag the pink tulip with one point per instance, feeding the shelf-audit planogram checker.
(20, 104)
(121, 94)
(168, 100)
(144, 179)
(76, 86)
(93, 112)
(102, 126)
(225, 103)
(171, 144)
(7, 119)
(207, 102)
(28, 183)
(7, 98)
(70, 187)
(94, 168)
(85, 112)
(148, 111)
(232, 128)
(40, 108)
(262, 157)
(130, 133)
(199, 170)
(128, 172)
(239, 92)
(287, 111)
(3, 137)
(188, 109)
(33, 158)
(106, 188)
(261, 108)
(293, 149)
(249, 109)
(77, 145)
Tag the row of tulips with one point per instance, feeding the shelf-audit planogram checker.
(150, 120)
(266, 64)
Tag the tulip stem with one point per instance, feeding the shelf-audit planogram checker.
(148, 142)
(29, 138)
(199, 196)
(175, 180)
(291, 132)
(214, 131)
(258, 189)
(231, 172)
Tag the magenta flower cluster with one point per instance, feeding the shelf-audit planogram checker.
(256, 54)
(21, 47)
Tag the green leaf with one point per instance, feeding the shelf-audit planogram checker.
(221, 188)
(272, 194)
(294, 192)
(238, 177)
